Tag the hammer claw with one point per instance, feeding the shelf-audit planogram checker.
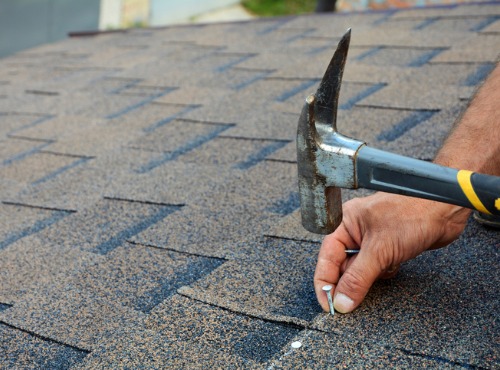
(327, 95)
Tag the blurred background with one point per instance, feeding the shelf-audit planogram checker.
(27, 23)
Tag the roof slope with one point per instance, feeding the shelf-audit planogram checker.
(149, 209)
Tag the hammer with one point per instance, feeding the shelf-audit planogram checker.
(328, 161)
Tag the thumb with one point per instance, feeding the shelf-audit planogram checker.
(356, 281)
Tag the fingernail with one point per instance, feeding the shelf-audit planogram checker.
(343, 303)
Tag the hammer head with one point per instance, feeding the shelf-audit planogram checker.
(326, 159)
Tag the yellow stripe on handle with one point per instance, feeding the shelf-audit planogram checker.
(497, 204)
(463, 178)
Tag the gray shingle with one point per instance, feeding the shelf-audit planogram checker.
(149, 196)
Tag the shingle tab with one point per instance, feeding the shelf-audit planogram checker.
(22, 349)
(149, 208)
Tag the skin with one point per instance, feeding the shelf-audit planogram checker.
(390, 229)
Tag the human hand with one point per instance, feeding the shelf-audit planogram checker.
(388, 229)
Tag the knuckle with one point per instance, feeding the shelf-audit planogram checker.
(354, 282)
(385, 254)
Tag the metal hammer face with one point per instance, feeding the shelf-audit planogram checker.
(320, 148)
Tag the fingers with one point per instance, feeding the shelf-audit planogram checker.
(388, 273)
(330, 260)
(354, 284)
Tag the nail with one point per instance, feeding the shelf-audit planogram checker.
(328, 290)
(343, 303)
(351, 251)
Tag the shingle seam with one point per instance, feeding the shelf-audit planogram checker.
(60, 170)
(144, 202)
(280, 160)
(25, 154)
(277, 25)
(319, 49)
(435, 358)
(286, 205)
(386, 17)
(183, 149)
(140, 94)
(32, 229)
(190, 120)
(399, 47)
(41, 119)
(479, 75)
(187, 109)
(405, 125)
(307, 83)
(129, 83)
(5, 306)
(349, 104)
(148, 150)
(242, 58)
(249, 69)
(258, 77)
(130, 231)
(253, 138)
(82, 69)
(260, 155)
(148, 245)
(426, 23)
(189, 43)
(38, 207)
(373, 106)
(69, 155)
(489, 33)
(19, 137)
(41, 92)
(323, 38)
(132, 46)
(485, 23)
(197, 269)
(305, 32)
(374, 50)
(279, 78)
(45, 338)
(463, 63)
(213, 50)
(167, 104)
(426, 57)
(140, 104)
(286, 321)
(287, 238)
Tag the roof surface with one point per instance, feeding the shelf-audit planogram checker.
(149, 211)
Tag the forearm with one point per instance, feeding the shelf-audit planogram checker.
(474, 143)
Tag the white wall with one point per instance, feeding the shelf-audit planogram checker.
(110, 14)
(178, 11)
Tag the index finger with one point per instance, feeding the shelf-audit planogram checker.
(330, 259)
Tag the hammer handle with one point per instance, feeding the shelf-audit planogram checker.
(393, 173)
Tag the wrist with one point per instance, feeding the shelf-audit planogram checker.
(452, 218)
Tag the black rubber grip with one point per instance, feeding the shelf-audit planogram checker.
(379, 170)
(487, 189)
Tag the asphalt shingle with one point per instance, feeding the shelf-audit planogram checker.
(149, 213)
